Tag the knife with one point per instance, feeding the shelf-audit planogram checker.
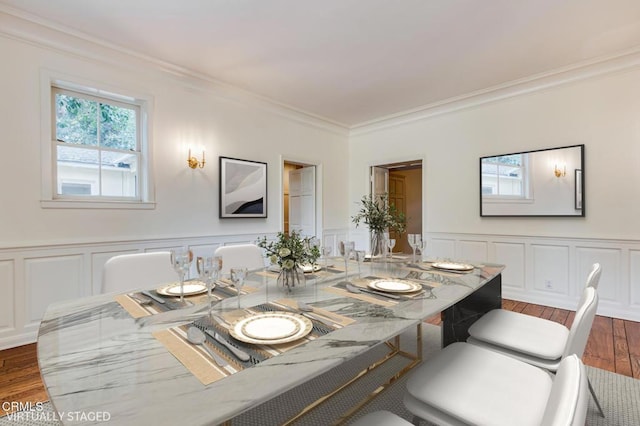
(379, 293)
(238, 353)
(153, 296)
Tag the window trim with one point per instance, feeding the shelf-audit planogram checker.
(49, 197)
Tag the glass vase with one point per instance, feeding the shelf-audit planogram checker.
(289, 279)
(378, 244)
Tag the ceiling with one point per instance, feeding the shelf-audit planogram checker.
(355, 61)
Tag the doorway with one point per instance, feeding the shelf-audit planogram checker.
(299, 198)
(403, 182)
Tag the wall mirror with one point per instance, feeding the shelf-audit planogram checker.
(545, 182)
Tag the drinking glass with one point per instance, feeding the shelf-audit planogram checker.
(326, 251)
(391, 243)
(217, 267)
(238, 275)
(346, 247)
(181, 260)
(359, 254)
(314, 243)
(415, 241)
(205, 267)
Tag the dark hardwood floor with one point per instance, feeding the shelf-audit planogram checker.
(614, 345)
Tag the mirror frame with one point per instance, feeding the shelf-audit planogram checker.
(579, 191)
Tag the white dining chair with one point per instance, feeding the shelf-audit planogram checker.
(465, 384)
(380, 418)
(139, 270)
(537, 341)
(248, 255)
(593, 279)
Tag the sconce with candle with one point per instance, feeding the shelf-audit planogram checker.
(560, 172)
(193, 162)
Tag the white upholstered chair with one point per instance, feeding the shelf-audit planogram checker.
(248, 255)
(593, 279)
(537, 341)
(468, 385)
(139, 270)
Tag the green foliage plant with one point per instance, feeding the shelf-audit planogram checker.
(379, 215)
(290, 250)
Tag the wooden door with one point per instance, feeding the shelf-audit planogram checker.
(398, 197)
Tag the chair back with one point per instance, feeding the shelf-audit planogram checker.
(593, 279)
(569, 399)
(248, 255)
(581, 327)
(140, 270)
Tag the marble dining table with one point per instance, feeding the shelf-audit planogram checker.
(95, 357)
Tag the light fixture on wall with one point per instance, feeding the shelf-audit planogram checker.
(193, 162)
(560, 172)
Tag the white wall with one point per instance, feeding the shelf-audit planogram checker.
(602, 112)
(53, 254)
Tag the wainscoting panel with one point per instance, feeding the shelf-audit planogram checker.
(610, 287)
(552, 271)
(7, 302)
(551, 268)
(441, 248)
(633, 292)
(34, 277)
(512, 255)
(472, 250)
(51, 279)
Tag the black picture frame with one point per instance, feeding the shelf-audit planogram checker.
(243, 188)
(547, 173)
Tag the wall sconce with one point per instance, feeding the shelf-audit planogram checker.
(560, 173)
(193, 162)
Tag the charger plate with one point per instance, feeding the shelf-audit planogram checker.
(190, 289)
(452, 266)
(394, 286)
(270, 328)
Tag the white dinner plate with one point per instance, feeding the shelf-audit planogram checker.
(395, 286)
(270, 328)
(307, 268)
(190, 288)
(453, 266)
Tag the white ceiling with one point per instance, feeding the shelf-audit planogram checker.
(355, 61)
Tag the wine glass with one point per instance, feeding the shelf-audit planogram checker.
(314, 243)
(326, 251)
(205, 267)
(217, 267)
(238, 274)
(346, 247)
(391, 243)
(181, 260)
(415, 240)
(359, 254)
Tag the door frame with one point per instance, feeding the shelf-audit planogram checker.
(319, 208)
(401, 159)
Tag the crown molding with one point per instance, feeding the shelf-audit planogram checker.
(561, 76)
(24, 27)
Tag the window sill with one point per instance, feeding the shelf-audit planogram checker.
(93, 204)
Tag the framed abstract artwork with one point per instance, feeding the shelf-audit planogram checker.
(243, 188)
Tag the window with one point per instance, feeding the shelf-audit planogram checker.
(97, 141)
(505, 177)
(98, 149)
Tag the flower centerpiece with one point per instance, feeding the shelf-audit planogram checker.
(381, 217)
(289, 252)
